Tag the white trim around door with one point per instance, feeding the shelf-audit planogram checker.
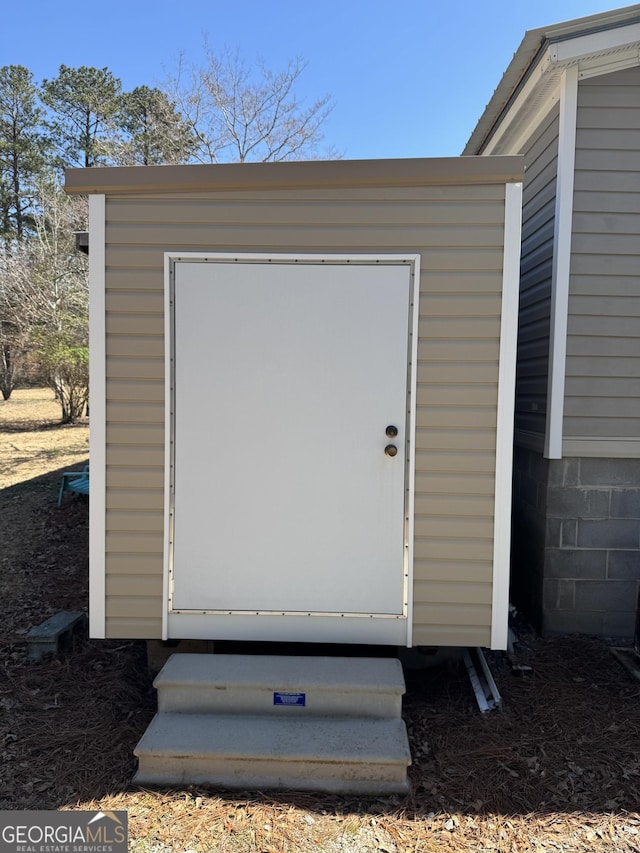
(350, 627)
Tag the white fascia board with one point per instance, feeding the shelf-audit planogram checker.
(561, 262)
(512, 130)
(574, 49)
(505, 418)
(97, 433)
(594, 54)
(607, 63)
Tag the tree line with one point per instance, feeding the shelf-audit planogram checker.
(221, 111)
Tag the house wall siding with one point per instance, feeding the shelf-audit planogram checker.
(538, 219)
(602, 408)
(458, 231)
(575, 520)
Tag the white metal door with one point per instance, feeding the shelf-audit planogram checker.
(289, 380)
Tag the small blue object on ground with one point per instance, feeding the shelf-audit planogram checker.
(74, 481)
(44, 639)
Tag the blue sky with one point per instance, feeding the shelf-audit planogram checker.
(409, 78)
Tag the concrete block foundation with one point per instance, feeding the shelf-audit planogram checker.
(576, 544)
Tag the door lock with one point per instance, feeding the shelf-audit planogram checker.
(391, 450)
(391, 431)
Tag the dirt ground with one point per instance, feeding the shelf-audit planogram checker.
(557, 770)
(33, 441)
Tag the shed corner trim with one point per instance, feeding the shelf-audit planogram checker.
(505, 422)
(97, 435)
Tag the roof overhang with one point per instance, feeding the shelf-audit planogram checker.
(530, 86)
(447, 171)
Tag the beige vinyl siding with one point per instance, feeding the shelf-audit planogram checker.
(538, 219)
(603, 359)
(458, 231)
(134, 453)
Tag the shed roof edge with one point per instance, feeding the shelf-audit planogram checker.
(130, 180)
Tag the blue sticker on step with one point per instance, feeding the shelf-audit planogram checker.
(289, 699)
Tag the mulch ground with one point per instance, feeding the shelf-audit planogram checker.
(557, 770)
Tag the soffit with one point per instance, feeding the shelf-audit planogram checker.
(598, 44)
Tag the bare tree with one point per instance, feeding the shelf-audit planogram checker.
(44, 297)
(12, 350)
(14, 322)
(241, 113)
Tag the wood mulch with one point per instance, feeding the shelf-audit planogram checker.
(557, 770)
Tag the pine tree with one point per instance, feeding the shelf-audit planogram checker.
(83, 102)
(23, 149)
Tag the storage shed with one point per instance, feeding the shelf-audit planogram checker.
(302, 388)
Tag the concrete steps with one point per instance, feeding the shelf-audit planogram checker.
(246, 684)
(323, 754)
(249, 722)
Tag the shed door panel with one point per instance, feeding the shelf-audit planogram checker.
(286, 378)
